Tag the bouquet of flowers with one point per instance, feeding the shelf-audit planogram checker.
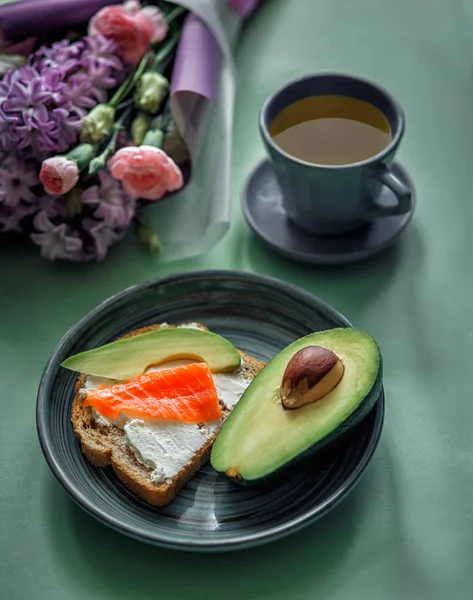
(88, 134)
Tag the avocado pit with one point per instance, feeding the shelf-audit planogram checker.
(312, 373)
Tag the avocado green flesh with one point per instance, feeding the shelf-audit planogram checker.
(260, 436)
(127, 358)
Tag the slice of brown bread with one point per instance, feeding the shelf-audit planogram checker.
(106, 445)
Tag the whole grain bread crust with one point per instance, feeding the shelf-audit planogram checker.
(106, 446)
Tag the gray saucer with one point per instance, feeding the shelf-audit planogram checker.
(263, 210)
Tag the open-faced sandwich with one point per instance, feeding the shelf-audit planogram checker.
(151, 404)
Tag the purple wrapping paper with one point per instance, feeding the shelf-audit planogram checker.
(198, 59)
(23, 47)
(26, 17)
(197, 62)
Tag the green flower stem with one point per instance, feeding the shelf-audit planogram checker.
(164, 51)
(82, 155)
(73, 202)
(164, 120)
(129, 83)
(100, 161)
(175, 13)
(148, 237)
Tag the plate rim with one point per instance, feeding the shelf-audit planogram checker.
(248, 540)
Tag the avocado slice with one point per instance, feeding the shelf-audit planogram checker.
(129, 357)
(260, 437)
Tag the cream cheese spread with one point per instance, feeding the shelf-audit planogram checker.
(166, 447)
(230, 387)
(190, 326)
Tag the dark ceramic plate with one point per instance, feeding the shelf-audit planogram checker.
(259, 315)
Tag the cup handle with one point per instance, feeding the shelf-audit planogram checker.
(400, 190)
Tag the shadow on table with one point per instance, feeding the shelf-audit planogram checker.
(350, 288)
(316, 556)
(64, 291)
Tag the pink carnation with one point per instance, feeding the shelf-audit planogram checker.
(146, 172)
(59, 175)
(131, 27)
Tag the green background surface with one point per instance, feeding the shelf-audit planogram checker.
(407, 530)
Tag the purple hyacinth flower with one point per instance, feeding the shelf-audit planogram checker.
(56, 241)
(17, 200)
(52, 206)
(101, 78)
(35, 118)
(101, 64)
(87, 234)
(113, 205)
(81, 93)
(42, 102)
(103, 236)
(113, 210)
(103, 50)
(16, 180)
(63, 56)
(11, 217)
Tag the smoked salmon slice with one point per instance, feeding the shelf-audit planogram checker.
(184, 393)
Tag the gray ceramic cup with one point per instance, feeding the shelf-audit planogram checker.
(332, 200)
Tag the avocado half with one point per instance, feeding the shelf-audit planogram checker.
(260, 440)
